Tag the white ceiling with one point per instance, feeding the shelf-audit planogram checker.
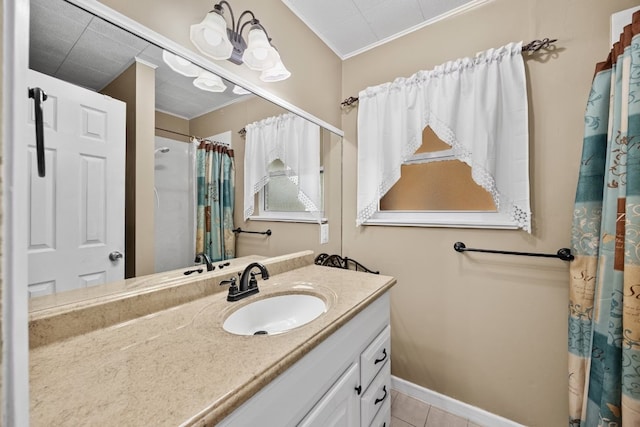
(350, 27)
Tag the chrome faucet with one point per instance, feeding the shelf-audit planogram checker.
(203, 258)
(248, 283)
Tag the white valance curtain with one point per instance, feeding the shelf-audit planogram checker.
(294, 141)
(476, 105)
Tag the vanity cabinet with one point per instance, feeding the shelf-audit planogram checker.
(344, 381)
(375, 377)
(340, 406)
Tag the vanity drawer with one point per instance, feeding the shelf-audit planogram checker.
(375, 356)
(376, 396)
(383, 419)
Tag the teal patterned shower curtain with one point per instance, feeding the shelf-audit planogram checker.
(604, 293)
(215, 189)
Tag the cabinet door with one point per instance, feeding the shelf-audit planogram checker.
(340, 406)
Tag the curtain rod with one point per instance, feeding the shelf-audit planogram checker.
(530, 47)
(192, 136)
(178, 133)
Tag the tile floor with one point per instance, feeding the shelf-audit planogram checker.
(409, 412)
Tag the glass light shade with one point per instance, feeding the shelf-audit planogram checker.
(209, 82)
(276, 73)
(240, 90)
(210, 36)
(259, 54)
(180, 65)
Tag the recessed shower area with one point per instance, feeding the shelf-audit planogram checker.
(174, 208)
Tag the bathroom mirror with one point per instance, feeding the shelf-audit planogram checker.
(80, 48)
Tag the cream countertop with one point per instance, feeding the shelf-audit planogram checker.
(178, 366)
(60, 316)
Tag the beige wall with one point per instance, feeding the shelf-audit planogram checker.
(314, 84)
(172, 123)
(145, 169)
(2, 394)
(286, 237)
(136, 87)
(489, 330)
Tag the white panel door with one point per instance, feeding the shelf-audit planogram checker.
(76, 212)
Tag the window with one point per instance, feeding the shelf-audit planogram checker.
(478, 107)
(284, 153)
(436, 189)
(433, 180)
(278, 200)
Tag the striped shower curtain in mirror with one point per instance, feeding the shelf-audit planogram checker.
(215, 188)
(604, 296)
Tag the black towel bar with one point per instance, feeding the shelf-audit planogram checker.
(240, 230)
(564, 253)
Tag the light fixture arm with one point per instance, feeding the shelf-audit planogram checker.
(252, 21)
(256, 23)
(236, 28)
(214, 37)
(218, 8)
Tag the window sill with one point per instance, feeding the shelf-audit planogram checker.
(282, 218)
(444, 219)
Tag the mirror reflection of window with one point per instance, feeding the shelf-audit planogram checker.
(281, 192)
(288, 148)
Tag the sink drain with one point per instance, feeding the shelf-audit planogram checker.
(261, 333)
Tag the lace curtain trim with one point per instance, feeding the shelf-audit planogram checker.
(420, 83)
(284, 137)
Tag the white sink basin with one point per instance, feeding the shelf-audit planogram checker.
(274, 315)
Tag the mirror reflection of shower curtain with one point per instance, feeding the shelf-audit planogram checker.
(215, 187)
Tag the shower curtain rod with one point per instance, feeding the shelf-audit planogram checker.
(179, 133)
(192, 136)
(530, 47)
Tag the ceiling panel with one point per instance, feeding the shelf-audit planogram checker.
(350, 27)
(391, 17)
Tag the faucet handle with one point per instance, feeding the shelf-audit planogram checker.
(231, 281)
(253, 283)
(233, 288)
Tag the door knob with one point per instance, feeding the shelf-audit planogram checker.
(115, 255)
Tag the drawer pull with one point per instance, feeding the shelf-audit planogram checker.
(384, 357)
(384, 388)
(359, 390)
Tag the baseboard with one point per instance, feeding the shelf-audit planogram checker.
(453, 406)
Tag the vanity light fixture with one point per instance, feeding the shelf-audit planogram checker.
(204, 80)
(180, 65)
(209, 82)
(212, 37)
